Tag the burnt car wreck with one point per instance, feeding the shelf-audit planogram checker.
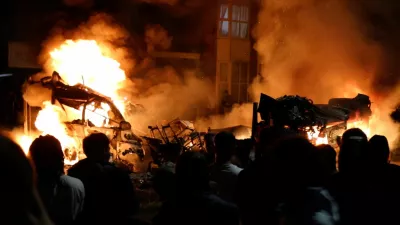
(178, 133)
(301, 115)
(126, 147)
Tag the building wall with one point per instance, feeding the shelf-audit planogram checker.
(236, 60)
(254, 57)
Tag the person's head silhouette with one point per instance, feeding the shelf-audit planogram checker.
(96, 147)
(47, 155)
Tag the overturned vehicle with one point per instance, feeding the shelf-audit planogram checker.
(126, 147)
(318, 122)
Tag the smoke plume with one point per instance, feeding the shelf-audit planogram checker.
(314, 49)
(166, 96)
(157, 38)
(324, 49)
(163, 92)
(240, 115)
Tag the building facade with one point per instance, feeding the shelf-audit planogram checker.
(236, 59)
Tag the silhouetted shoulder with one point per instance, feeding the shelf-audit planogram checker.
(219, 204)
(394, 167)
(393, 170)
(222, 211)
(72, 182)
(85, 168)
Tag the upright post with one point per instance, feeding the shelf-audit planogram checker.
(254, 121)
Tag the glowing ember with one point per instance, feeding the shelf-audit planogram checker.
(79, 62)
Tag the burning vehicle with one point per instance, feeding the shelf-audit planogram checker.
(321, 123)
(92, 112)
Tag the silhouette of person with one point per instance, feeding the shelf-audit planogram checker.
(62, 195)
(225, 173)
(110, 194)
(194, 204)
(20, 201)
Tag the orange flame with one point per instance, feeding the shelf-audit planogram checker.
(79, 62)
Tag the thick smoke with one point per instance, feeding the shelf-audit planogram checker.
(163, 92)
(166, 96)
(36, 94)
(157, 38)
(313, 48)
(240, 115)
(324, 49)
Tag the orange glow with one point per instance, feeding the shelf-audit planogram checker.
(314, 135)
(79, 62)
(24, 141)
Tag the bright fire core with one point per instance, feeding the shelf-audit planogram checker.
(84, 62)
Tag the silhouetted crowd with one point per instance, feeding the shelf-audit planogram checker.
(289, 181)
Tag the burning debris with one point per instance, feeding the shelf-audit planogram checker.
(97, 114)
(179, 132)
(322, 123)
(82, 97)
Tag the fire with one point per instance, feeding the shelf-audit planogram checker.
(84, 62)
(49, 122)
(79, 62)
(379, 123)
(24, 141)
(314, 135)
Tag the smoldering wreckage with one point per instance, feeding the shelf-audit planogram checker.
(321, 123)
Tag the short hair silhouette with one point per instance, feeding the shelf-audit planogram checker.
(327, 157)
(96, 145)
(354, 134)
(379, 149)
(192, 171)
(296, 161)
(47, 155)
(225, 143)
(271, 136)
(353, 153)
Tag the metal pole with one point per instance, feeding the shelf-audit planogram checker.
(254, 120)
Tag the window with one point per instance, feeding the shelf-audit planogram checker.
(224, 21)
(240, 82)
(223, 78)
(234, 20)
(240, 21)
